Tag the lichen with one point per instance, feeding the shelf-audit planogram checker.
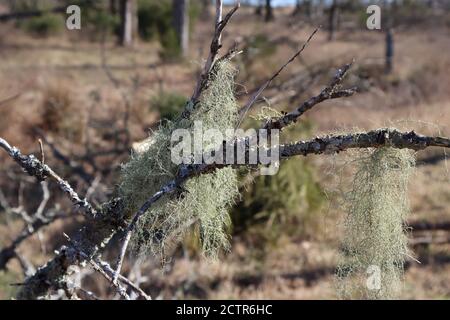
(375, 236)
(203, 203)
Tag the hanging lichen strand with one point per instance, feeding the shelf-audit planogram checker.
(203, 204)
(374, 247)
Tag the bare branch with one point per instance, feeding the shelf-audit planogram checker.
(27, 266)
(108, 273)
(243, 111)
(91, 238)
(40, 283)
(41, 172)
(30, 229)
(41, 147)
(107, 268)
(215, 46)
(45, 198)
(123, 250)
(87, 295)
(120, 290)
(328, 144)
(72, 164)
(168, 188)
(371, 139)
(331, 91)
(111, 217)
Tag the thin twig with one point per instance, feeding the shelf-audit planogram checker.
(331, 91)
(45, 198)
(215, 46)
(123, 250)
(168, 188)
(328, 144)
(41, 147)
(125, 280)
(88, 295)
(58, 154)
(40, 171)
(30, 229)
(120, 290)
(27, 267)
(243, 111)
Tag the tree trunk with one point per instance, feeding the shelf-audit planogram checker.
(389, 50)
(181, 24)
(269, 11)
(128, 16)
(332, 20)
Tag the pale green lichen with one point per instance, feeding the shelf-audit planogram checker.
(375, 234)
(204, 202)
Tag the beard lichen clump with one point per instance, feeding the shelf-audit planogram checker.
(203, 204)
(374, 247)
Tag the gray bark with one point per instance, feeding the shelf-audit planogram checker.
(128, 17)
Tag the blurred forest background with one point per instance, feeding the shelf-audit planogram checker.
(89, 95)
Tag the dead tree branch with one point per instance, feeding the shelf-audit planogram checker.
(332, 91)
(33, 224)
(326, 145)
(243, 111)
(107, 268)
(93, 236)
(215, 46)
(30, 229)
(58, 154)
(371, 139)
(119, 288)
(103, 223)
(41, 172)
